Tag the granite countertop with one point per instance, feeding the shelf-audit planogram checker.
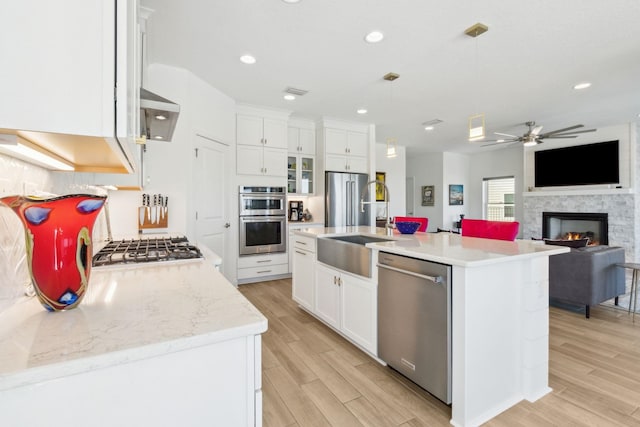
(128, 313)
(446, 248)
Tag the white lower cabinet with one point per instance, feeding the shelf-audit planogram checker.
(359, 311)
(303, 273)
(255, 268)
(328, 295)
(349, 304)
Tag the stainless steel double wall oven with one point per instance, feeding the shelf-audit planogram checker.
(263, 220)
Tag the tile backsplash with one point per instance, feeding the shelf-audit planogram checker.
(16, 177)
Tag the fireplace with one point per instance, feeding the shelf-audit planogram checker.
(576, 225)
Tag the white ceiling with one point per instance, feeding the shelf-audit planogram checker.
(522, 69)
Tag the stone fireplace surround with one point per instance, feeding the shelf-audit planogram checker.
(620, 206)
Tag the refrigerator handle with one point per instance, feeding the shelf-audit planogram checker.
(347, 202)
(354, 203)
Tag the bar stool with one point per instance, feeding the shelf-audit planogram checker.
(634, 285)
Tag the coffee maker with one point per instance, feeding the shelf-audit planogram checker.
(295, 210)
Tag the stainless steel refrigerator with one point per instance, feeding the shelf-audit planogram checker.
(342, 194)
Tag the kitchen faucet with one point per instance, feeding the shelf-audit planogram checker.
(388, 226)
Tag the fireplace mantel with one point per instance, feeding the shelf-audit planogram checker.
(578, 192)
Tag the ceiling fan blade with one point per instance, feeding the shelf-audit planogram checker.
(576, 132)
(498, 143)
(506, 134)
(558, 137)
(563, 130)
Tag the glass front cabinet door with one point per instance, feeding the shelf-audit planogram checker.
(300, 176)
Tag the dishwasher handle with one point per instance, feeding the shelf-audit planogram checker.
(434, 279)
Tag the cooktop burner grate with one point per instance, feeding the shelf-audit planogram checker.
(153, 249)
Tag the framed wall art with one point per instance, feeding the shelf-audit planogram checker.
(428, 195)
(456, 194)
(380, 176)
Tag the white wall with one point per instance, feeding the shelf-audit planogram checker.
(456, 170)
(427, 170)
(395, 178)
(493, 164)
(206, 111)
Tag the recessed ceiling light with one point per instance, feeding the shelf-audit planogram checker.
(248, 59)
(291, 1)
(374, 37)
(362, 111)
(289, 97)
(582, 85)
(500, 140)
(428, 128)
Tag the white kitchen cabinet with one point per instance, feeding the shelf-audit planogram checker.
(327, 285)
(261, 143)
(256, 268)
(349, 304)
(359, 311)
(345, 150)
(304, 253)
(339, 141)
(342, 163)
(254, 160)
(261, 131)
(300, 174)
(66, 70)
(301, 141)
(301, 161)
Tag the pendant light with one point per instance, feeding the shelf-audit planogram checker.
(476, 121)
(391, 141)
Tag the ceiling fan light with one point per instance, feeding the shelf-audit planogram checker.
(530, 143)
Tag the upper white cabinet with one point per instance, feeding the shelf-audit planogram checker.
(345, 147)
(69, 83)
(346, 142)
(301, 162)
(302, 141)
(260, 131)
(261, 137)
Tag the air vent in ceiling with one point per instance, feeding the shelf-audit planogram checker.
(296, 92)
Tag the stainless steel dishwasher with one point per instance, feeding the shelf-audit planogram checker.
(414, 321)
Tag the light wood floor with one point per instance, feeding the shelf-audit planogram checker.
(313, 377)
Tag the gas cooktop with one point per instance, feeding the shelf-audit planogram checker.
(143, 250)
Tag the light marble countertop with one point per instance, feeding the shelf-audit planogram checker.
(446, 248)
(128, 313)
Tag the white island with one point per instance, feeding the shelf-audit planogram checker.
(499, 317)
(163, 344)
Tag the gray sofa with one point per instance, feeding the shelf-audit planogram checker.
(587, 276)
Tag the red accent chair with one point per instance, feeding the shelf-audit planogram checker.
(499, 230)
(424, 222)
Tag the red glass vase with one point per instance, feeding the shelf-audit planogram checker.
(58, 242)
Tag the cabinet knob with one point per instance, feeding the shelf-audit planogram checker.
(227, 225)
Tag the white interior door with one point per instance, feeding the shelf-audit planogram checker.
(211, 188)
(410, 183)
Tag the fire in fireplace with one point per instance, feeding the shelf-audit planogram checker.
(576, 225)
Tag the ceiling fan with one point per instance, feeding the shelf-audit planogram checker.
(534, 137)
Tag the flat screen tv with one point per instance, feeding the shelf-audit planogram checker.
(588, 164)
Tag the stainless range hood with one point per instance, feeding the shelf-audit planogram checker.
(158, 116)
